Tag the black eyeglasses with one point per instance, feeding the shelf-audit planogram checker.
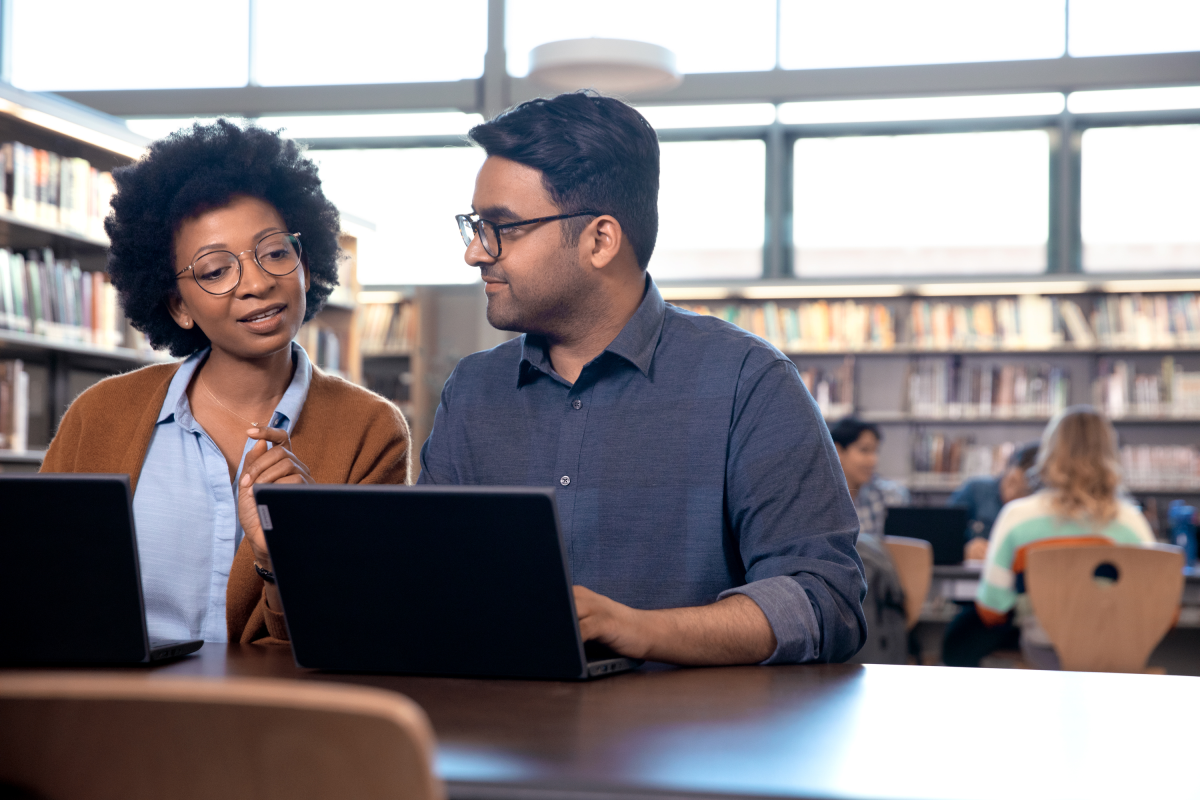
(471, 224)
(220, 271)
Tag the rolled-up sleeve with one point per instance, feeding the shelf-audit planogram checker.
(791, 513)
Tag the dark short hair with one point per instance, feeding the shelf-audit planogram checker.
(1024, 456)
(195, 170)
(595, 154)
(846, 431)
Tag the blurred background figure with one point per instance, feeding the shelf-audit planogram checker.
(857, 445)
(984, 497)
(1078, 469)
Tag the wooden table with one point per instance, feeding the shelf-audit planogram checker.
(820, 731)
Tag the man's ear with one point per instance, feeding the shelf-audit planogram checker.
(179, 312)
(601, 241)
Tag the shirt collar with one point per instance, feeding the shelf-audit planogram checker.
(176, 408)
(635, 343)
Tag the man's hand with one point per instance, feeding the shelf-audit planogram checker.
(730, 631)
(277, 465)
(976, 549)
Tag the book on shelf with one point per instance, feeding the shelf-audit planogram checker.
(941, 459)
(56, 299)
(322, 345)
(949, 389)
(832, 389)
(1024, 322)
(45, 188)
(14, 406)
(1169, 467)
(1120, 390)
(816, 325)
(387, 328)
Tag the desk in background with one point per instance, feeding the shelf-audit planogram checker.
(813, 731)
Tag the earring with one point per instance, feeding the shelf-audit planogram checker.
(187, 323)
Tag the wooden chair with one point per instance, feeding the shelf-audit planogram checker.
(914, 564)
(1101, 626)
(77, 736)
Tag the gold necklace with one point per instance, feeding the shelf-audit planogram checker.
(203, 385)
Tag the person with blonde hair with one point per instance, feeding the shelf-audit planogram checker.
(1078, 470)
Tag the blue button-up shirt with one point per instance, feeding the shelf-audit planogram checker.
(690, 463)
(185, 511)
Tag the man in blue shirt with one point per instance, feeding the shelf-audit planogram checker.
(705, 515)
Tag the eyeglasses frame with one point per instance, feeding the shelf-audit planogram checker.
(496, 228)
(254, 253)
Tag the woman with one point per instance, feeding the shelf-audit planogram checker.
(857, 445)
(1077, 465)
(223, 244)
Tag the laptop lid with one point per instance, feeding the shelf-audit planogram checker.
(943, 528)
(69, 580)
(421, 579)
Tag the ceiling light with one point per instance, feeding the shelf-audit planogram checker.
(612, 66)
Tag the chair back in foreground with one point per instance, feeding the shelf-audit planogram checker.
(87, 736)
(914, 564)
(1105, 609)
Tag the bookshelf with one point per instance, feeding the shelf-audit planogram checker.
(61, 329)
(957, 373)
(331, 338)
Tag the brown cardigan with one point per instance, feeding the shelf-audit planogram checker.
(345, 434)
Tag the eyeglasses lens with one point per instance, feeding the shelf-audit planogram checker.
(468, 229)
(278, 254)
(217, 273)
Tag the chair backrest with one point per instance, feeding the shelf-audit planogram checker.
(914, 564)
(1105, 625)
(88, 736)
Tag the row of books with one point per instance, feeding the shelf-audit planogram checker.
(322, 345)
(947, 388)
(55, 298)
(1120, 390)
(1161, 466)
(1027, 322)
(832, 389)
(817, 325)
(954, 458)
(387, 328)
(57, 191)
(14, 406)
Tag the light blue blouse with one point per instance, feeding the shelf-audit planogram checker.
(185, 511)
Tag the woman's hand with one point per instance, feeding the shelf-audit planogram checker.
(277, 465)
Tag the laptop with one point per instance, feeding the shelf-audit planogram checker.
(944, 528)
(70, 587)
(467, 581)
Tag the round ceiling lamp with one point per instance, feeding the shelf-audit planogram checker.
(612, 66)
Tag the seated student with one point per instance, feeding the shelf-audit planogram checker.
(857, 445)
(984, 497)
(1077, 465)
(858, 451)
(222, 245)
(698, 490)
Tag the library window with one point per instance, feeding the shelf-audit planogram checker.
(935, 204)
(93, 51)
(1120, 27)
(817, 34)
(895, 109)
(711, 210)
(1139, 200)
(401, 42)
(721, 38)
(411, 197)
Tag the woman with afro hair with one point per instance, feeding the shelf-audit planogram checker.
(223, 244)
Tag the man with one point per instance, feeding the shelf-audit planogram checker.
(699, 493)
(984, 497)
(857, 445)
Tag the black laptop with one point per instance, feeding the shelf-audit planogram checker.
(70, 588)
(427, 580)
(944, 528)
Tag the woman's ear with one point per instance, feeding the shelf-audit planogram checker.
(179, 312)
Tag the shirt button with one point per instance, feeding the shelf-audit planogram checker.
(577, 404)
(565, 480)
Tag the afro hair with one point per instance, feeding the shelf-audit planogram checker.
(195, 170)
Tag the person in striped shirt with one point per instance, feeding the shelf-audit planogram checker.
(1077, 466)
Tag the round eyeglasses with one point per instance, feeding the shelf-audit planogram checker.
(220, 271)
(470, 224)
